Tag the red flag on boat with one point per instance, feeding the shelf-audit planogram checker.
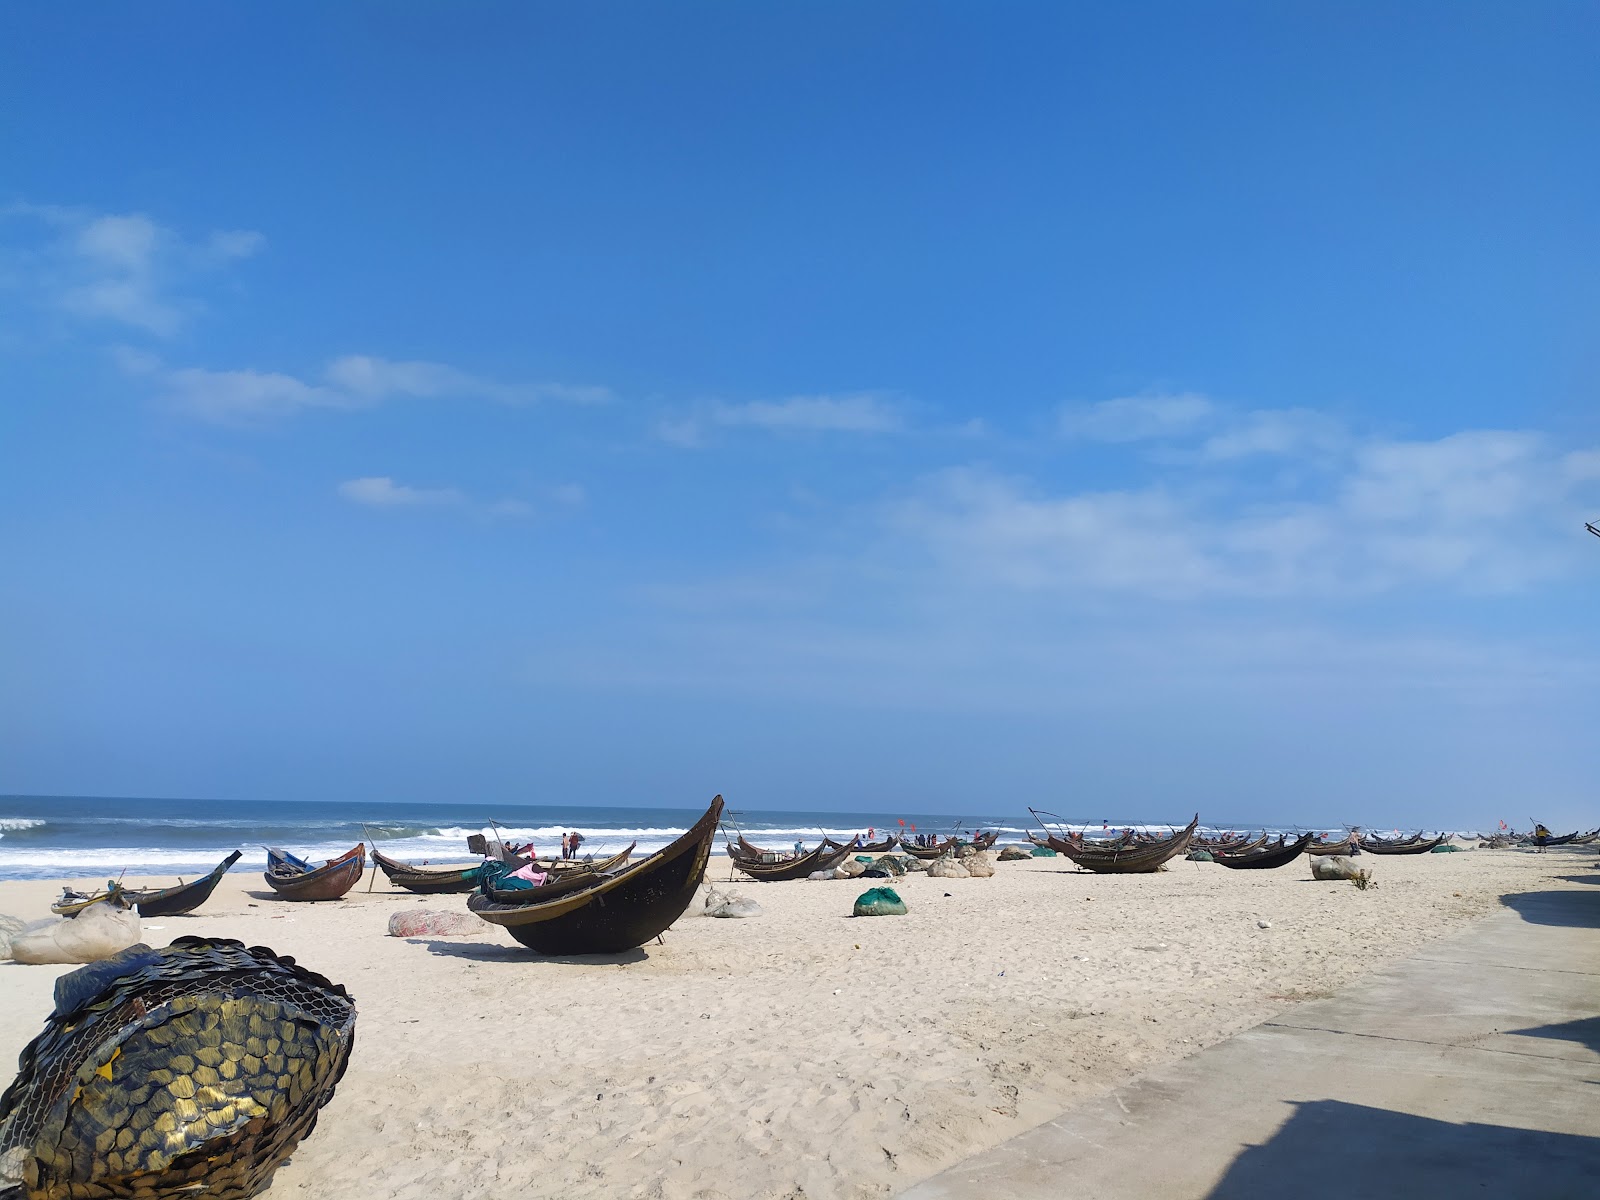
(913, 827)
(902, 822)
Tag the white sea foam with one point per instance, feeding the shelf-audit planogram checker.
(18, 823)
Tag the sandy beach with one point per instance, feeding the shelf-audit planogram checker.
(800, 1053)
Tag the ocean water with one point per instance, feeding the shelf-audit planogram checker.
(54, 837)
(65, 838)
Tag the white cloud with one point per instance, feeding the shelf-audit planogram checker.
(120, 267)
(1284, 432)
(381, 378)
(862, 412)
(380, 491)
(1480, 510)
(243, 398)
(684, 432)
(1138, 418)
(570, 495)
(249, 398)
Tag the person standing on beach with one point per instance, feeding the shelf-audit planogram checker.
(577, 840)
(1541, 837)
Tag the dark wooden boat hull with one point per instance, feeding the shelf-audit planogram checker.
(1263, 860)
(440, 881)
(823, 858)
(186, 897)
(429, 882)
(1317, 848)
(327, 882)
(1405, 848)
(929, 853)
(1133, 860)
(616, 912)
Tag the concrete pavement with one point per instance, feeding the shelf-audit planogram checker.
(1471, 1069)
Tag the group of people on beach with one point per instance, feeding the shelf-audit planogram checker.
(570, 843)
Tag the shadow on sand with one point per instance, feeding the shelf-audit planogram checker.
(496, 953)
(1575, 910)
(1330, 1150)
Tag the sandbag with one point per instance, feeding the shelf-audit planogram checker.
(1014, 854)
(734, 906)
(891, 864)
(850, 868)
(879, 902)
(1333, 866)
(1043, 852)
(434, 922)
(9, 928)
(947, 867)
(980, 865)
(96, 933)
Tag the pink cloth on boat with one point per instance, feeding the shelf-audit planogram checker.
(531, 873)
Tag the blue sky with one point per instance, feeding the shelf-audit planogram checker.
(1128, 410)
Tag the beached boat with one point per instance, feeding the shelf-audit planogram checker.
(1130, 860)
(929, 853)
(1264, 859)
(1412, 845)
(823, 858)
(429, 880)
(1318, 847)
(295, 879)
(605, 912)
(151, 902)
(190, 1070)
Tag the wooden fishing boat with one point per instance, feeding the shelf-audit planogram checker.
(72, 903)
(430, 880)
(1264, 859)
(152, 902)
(883, 847)
(606, 912)
(189, 1070)
(823, 858)
(1238, 845)
(1317, 847)
(1562, 840)
(1373, 840)
(295, 879)
(1131, 860)
(1414, 845)
(929, 853)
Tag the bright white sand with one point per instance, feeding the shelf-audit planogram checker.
(801, 1053)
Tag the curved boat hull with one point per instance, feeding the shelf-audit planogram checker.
(823, 858)
(327, 882)
(1134, 860)
(1408, 848)
(1263, 860)
(615, 912)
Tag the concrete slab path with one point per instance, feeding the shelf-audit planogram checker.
(1470, 1069)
